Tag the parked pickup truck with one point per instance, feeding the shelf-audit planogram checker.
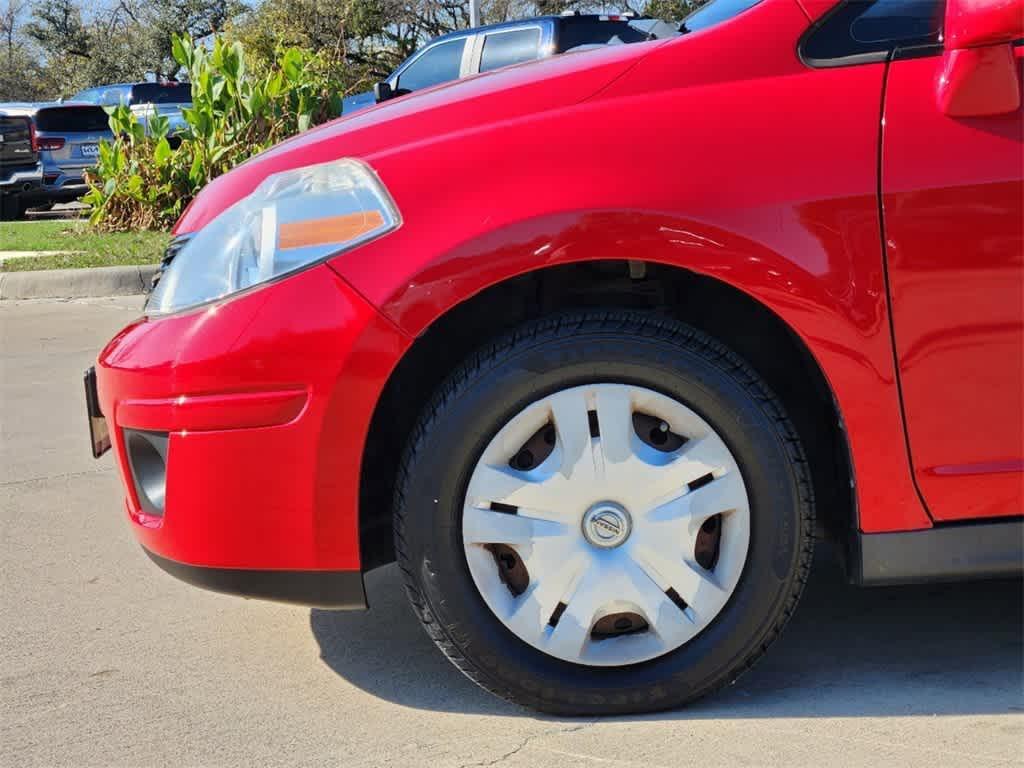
(20, 172)
(67, 137)
(482, 49)
(146, 100)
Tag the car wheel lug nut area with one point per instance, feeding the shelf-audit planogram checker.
(607, 525)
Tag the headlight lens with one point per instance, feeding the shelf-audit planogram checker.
(292, 220)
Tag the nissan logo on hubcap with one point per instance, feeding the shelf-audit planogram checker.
(606, 525)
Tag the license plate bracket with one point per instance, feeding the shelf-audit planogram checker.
(99, 434)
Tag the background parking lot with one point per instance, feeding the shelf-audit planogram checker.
(107, 661)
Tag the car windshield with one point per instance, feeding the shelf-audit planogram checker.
(714, 13)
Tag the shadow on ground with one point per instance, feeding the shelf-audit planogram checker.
(950, 649)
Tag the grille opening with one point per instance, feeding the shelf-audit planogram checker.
(617, 624)
(705, 551)
(505, 509)
(511, 569)
(656, 433)
(595, 428)
(534, 451)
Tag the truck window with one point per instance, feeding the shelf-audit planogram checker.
(90, 96)
(573, 33)
(436, 65)
(511, 47)
(114, 96)
(161, 93)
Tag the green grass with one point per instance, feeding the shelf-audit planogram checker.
(91, 249)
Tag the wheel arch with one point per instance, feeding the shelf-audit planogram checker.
(724, 311)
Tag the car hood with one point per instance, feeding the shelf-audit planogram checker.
(401, 124)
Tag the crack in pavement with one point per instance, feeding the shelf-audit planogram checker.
(59, 476)
(526, 741)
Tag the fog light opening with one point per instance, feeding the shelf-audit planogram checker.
(147, 457)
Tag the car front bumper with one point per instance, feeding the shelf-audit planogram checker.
(258, 407)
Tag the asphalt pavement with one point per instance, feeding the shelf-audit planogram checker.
(107, 661)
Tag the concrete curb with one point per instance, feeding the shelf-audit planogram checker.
(76, 283)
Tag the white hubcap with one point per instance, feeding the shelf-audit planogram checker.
(606, 524)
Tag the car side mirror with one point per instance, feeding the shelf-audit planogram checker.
(980, 75)
(382, 91)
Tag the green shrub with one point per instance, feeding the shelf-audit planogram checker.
(140, 182)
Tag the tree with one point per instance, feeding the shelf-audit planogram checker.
(19, 61)
(11, 13)
(124, 41)
(158, 20)
(672, 10)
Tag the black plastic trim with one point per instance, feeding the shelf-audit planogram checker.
(337, 590)
(952, 552)
(872, 57)
(99, 433)
(177, 243)
(918, 51)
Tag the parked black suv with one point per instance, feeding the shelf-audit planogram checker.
(481, 49)
(20, 171)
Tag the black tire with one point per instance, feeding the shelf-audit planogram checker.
(569, 350)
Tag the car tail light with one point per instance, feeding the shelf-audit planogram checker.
(49, 144)
(32, 138)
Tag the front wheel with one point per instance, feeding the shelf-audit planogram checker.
(604, 513)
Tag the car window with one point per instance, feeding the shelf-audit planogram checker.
(436, 65)
(897, 20)
(161, 93)
(72, 120)
(510, 47)
(714, 13)
(861, 31)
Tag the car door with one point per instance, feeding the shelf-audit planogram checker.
(953, 213)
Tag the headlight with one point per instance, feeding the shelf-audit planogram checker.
(292, 220)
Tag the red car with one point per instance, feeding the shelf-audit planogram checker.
(594, 346)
